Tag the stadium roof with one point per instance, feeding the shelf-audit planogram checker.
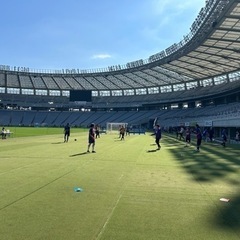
(214, 49)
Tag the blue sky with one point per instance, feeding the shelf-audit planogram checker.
(90, 34)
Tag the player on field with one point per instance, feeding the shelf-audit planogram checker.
(122, 132)
(211, 134)
(199, 137)
(97, 131)
(188, 137)
(181, 133)
(66, 132)
(224, 137)
(158, 136)
(91, 138)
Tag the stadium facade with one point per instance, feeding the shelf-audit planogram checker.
(195, 80)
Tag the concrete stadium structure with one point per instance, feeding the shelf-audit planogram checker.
(195, 80)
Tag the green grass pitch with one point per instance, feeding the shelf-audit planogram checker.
(129, 190)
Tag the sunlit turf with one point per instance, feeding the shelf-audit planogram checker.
(130, 191)
(39, 131)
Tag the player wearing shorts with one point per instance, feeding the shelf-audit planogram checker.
(66, 132)
(91, 138)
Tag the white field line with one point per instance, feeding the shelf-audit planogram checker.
(109, 216)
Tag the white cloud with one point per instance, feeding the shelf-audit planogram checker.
(101, 56)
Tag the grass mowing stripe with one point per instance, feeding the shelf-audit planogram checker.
(119, 197)
(36, 190)
(11, 170)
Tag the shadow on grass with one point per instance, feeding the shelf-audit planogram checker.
(228, 215)
(151, 151)
(209, 164)
(78, 154)
(213, 163)
(57, 142)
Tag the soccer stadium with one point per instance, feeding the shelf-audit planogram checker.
(127, 189)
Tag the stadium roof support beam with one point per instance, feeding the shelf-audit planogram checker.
(196, 65)
(227, 63)
(170, 77)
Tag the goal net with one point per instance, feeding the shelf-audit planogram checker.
(115, 126)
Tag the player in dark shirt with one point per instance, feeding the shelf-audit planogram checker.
(224, 137)
(211, 133)
(122, 132)
(91, 138)
(158, 136)
(66, 132)
(199, 137)
(97, 131)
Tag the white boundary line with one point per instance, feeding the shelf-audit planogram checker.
(109, 216)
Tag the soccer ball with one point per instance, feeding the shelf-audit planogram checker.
(75, 139)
